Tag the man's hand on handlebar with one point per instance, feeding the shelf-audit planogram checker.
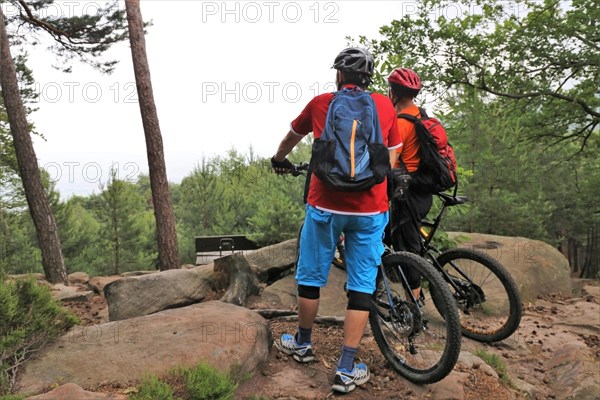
(282, 167)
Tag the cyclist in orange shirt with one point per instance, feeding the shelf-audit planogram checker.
(404, 86)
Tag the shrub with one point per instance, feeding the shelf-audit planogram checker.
(494, 361)
(206, 383)
(30, 318)
(152, 388)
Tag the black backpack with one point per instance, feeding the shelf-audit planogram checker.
(437, 165)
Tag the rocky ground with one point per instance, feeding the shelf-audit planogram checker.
(555, 331)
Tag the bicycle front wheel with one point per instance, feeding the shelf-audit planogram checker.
(488, 299)
(421, 343)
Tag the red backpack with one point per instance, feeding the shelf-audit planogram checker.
(437, 165)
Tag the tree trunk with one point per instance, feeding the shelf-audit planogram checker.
(243, 282)
(39, 205)
(573, 255)
(116, 238)
(591, 267)
(161, 196)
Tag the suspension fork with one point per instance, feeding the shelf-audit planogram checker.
(388, 291)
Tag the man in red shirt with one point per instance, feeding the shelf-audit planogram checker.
(361, 216)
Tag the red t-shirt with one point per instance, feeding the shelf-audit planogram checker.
(373, 201)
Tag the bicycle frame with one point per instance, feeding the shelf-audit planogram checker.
(385, 279)
(427, 232)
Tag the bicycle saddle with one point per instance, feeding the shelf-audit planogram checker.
(452, 200)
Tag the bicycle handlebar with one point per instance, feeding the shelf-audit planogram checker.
(299, 169)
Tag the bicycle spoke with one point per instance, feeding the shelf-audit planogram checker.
(419, 342)
(487, 298)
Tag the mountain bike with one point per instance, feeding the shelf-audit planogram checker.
(419, 337)
(488, 300)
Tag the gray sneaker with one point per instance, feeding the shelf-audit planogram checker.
(346, 381)
(300, 352)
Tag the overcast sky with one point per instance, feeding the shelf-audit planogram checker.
(225, 75)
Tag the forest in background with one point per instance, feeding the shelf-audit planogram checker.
(520, 103)
(515, 189)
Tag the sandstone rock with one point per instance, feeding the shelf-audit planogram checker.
(73, 391)
(78, 278)
(137, 273)
(142, 295)
(146, 294)
(451, 387)
(225, 336)
(575, 374)
(592, 290)
(581, 317)
(271, 261)
(70, 293)
(282, 294)
(472, 361)
(97, 283)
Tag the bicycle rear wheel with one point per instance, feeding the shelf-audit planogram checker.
(488, 299)
(420, 343)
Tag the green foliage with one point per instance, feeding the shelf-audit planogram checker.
(152, 388)
(205, 383)
(542, 56)
(30, 318)
(496, 362)
(201, 382)
(19, 252)
(127, 225)
(12, 397)
(519, 83)
(515, 187)
(85, 36)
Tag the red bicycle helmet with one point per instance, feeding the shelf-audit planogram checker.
(405, 77)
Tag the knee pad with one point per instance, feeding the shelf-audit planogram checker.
(359, 301)
(308, 292)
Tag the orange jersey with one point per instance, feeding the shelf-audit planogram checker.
(409, 152)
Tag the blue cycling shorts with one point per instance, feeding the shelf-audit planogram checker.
(363, 235)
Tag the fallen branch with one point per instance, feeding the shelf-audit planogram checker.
(270, 313)
(290, 316)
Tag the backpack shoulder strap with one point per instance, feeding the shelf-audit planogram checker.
(409, 117)
(413, 118)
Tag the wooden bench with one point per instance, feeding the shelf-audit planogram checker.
(210, 247)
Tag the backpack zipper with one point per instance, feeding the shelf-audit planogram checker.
(352, 156)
